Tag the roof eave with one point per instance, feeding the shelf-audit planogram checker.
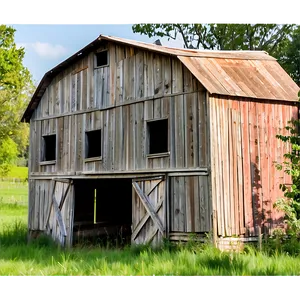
(47, 78)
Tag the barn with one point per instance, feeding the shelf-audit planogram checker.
(149, 142)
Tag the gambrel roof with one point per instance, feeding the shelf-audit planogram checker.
(251, 74)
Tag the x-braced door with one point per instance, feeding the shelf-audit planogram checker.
(148, 210)
(60, 220)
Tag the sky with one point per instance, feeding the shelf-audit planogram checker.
(50, 40)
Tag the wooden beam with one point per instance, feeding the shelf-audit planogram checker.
(151, 236)
(146, 202)
(59, 217)
(62, 180)
(79, 70)
(143, 221)
(152, 188)
(53, 189)
(65, 195)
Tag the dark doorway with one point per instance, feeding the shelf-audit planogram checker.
(103, 211)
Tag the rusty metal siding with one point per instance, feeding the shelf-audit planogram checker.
(245, 182)
(261, 79)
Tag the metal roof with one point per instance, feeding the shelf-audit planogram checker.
(252, 74)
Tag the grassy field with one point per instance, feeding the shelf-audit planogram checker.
(42, 257)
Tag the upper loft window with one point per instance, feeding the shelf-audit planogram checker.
(158, 136)
(93, 143)
(101, 58)
(49, 147)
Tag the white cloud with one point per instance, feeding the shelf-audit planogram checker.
(45, 50)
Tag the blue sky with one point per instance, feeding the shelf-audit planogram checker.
(48, 45)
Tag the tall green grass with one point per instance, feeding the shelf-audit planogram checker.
(43, 257)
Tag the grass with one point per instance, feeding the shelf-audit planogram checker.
(18, 172)
(43, 257)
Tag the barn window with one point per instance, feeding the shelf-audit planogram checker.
(93, 143)
(158, 136)
(101, 58)
(49, 147)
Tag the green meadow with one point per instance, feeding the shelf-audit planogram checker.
(43, 257)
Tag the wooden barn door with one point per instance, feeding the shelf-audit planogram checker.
(148, 210)
(60, 220)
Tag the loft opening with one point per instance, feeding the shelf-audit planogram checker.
(103, 211)
(49, 152)
(93, 143)
(101, 58)
(158, 136)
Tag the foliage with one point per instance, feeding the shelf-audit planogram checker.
(290, 58)
(290, 205)
(15, 89)
(8, 152)
(268, 37)
(13, 75)
(280, 41)
(18, 173)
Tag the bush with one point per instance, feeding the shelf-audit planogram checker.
(290, 205)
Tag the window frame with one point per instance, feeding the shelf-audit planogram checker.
(159, 154)
(43, 160)
(95, 58)
(86, 145)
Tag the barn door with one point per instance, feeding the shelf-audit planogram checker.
(148, 210)
(60, 220)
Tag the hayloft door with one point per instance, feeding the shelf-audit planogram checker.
(148, 210)
(60, 220)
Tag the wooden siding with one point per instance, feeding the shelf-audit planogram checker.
(190, 204)
(124, 137)
(41, 213)
(131, 75)
(136, 86)
(245, 182)
(148, 210)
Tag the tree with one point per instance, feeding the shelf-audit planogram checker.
(15, 89)
(290, 58)
(273, 38)
(8, 152)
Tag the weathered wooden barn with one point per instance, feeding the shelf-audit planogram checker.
(150, 142)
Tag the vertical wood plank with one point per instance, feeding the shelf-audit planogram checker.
(177, 76)
(219, 185)
(189, 196)
(201, 105)
(179, 131)
(139, 80)
(158, 77)
(148, 74)
(167, 75)
(246, 165)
